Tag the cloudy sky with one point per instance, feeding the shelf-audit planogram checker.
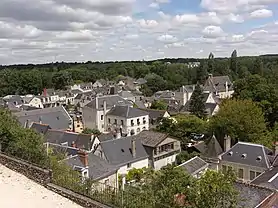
(38, 31)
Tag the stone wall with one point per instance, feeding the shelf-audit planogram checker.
(33, 172)
(77, 198)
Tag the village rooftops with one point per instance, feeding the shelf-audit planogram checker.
(194, 165)
(56, 118)
(126, 112)
(218, 84)
(151, 138)
(268, 179)
(40, 128)
(119, 151)
(255, 155)
(111, 100)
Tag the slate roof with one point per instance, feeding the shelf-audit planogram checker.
(126, 94)
(40, 128)
(28, 108)
(15, 99)
(118, 151)
(151, 138)
(76, 91)
(111, 100)
(187, 88)
(98, 168)
(127, 112)
(210, 148)
(106, 136)
(210, 107)
(268, 179)
(251, 196)
(141, 81)
(194, 165)
(218, 84)
(249, 154)
(82, 141)
(140, 104)
(64, 150)
(56, 118)
(155, 114)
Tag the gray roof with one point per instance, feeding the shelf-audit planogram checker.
(64, 150)
(15, 99)
(141, 81)
(210, 107)
(155, 114)
(28, 108)
(98, 168)
(76, 91)
(127, 112)
(40, 128)
(111, 100)
(249, 154)
(126, 94)
(56, 118)
(194, 165)
(218, 84)
(83, 141)
(119, 151)
(106, 136)
(251, 195)
(210, 148)
(140, 104)
(187, 88)
(268, 179)
(151, 138)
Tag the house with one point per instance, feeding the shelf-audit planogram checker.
(95, 168)
(126, 153)
(253, 196)
(247, 159)
(220, 86)
(33, 101)
(99, 83)
(161, 148)
(210, 151)
(127, 95)
(94, 112)
(71, 139)
(196, 166)
(49, 98)
(40, 128)
(130, 121)
(56, 117)
(155, 116)
(184, 93)
(14, 100)
(83, 87)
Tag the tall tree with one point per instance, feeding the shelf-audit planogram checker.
(202, 72)
(211, 63)
(234, 62)
(258, 66)
(197, 104)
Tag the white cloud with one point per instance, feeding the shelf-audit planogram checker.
(213, 31)
(167, 38)
(148, 23)
(154, 5)
(261, 13)
(235, 18)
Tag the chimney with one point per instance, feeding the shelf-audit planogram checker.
(40, 119)
(133, 148)
(275, 148)
(26, 125)
(227, 143)
(73, 144)
(44, 92)
(83, 156)
(226, 87)
(104, 114)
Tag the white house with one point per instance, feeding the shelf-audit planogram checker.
(94, 112)
(126, 153)
(161, 148)
(33, 101)
(130, 121)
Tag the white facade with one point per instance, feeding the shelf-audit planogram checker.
(226, 94)
(164, 162)
(36, 102)
(138, 165)
(130, 126)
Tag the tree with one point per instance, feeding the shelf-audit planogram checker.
(258, 67)
(184, 156)
(241, 119)
(159, 105)
(211, 63)
(202, 72)
(216, 190)
(197, 104)
(91, 131)
(234, 62)
(61, 79)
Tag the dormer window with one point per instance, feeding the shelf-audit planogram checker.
(259, 158)
(243, 156)
(230, 153)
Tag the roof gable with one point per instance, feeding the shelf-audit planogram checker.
(194, 165)
(151, 138)
(127, 112)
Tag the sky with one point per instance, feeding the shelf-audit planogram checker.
(39, 31)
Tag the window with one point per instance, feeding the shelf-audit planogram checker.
(106, 182)
(109, 120)
(138, 121)
(240, 173)
(128, 165)
(122, 122)
(132, 124)
(230, 168)
(258, 173)
(166, 147)
(138, 130)
(101, 117)
(252, 175)
(115, 122)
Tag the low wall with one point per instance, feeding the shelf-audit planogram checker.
(33, 172)
(77, 198)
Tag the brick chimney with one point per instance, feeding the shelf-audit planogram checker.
(227, 143)
(44, 92)
(83, 156)
(133, 148)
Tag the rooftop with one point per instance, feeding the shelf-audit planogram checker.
(194, 165)
(127, 112)
(268, 179)
(111, 100)
(151, 138)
